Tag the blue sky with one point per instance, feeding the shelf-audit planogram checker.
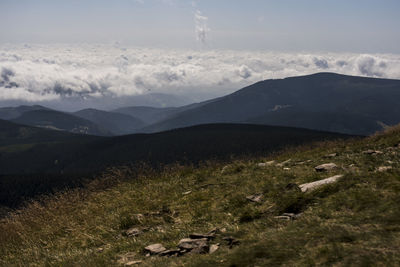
(368, 26)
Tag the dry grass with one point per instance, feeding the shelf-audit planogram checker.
(353, 222)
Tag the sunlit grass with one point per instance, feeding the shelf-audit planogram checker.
(353, 222)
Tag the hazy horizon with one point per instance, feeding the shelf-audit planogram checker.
(89, 53)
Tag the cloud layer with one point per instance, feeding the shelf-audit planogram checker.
(56, 72)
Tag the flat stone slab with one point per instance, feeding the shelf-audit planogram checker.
(200, 236)
(133, 232)
(326, 167)
(384, 168)
(198, 246)
(155, 248)
(372, 152)
(314, 185)
(265, 164)
(255, 198)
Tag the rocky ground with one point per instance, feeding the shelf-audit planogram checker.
(335, 203)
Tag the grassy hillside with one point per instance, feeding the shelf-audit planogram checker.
(355, 221)
(53, 165)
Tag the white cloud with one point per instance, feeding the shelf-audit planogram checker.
(50, 72)
(201, 27)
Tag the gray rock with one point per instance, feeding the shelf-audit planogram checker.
(128, 259)
(255, 198)
(384, 168)
(171, 252)
(284, 163)
(326, 167)
(265, 164)
(200, 236)
(372, 152)
(133, 232)
(155, 249)
(213, 248)
(314, 185)
(194, 245)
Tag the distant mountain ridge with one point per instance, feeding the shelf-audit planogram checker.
(322, 101)
(115, 123)
(364, 104)
(55, 120)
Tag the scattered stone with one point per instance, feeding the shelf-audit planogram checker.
(132, 232)
(213, 248)
(187, 193)
(225, 169)
(303, 162)
(213, 231)
(285, 218)
(231, 241)
(326, 167)
(198, 246)
(155, 249)
(384, 168)
(314, 185)
(265, 164)
(333, 155)
(255, 198)
(128, 259)
(283, 163)
(372, 152)
(171, 252)
(201, 236)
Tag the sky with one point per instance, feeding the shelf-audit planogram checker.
(55, 50)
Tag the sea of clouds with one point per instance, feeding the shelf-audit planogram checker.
(36, 73)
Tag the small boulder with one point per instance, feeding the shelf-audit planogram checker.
(128, 259)
(132, 232)
(155, 249)
(326, 167)
(225, 169)
(314, 185)
(384, 168)
(255, 198)
(372, 152)
(171, 252)
(265, 164)
(199, 246)
(201, 236)
(187, 193)
(284, 163)
(213, 248)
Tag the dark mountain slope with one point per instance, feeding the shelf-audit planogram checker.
(56, 120)
(9, 113)
(374, 100)
(116, 123)
(151, 115)
(193, 144)
(14, 134)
